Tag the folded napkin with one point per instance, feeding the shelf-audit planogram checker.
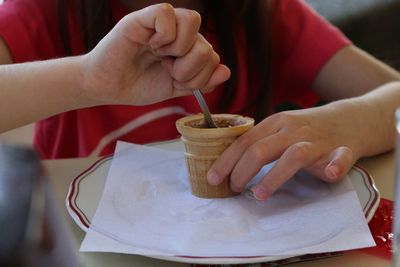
(147, 208)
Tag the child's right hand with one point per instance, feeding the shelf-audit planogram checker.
(151, 55)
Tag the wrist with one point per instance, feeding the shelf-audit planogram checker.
(370, 131)
(80, 97)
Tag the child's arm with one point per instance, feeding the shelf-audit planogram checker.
(326, 140)
(151, 55)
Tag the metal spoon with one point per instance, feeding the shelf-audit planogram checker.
(206, 112)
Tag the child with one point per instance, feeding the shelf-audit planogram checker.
(281, 54)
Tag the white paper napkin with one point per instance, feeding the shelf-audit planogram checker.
(147, 209)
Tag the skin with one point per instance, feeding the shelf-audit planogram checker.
(153, 54)
(325, 141)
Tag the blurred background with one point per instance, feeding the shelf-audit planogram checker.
(373, 25)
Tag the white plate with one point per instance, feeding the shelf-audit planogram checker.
(86, 189)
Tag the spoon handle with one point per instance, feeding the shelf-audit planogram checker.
(206, 112)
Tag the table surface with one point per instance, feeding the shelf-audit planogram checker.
(61, 172)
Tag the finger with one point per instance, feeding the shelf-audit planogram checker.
(154, 25)
(254, 158)
(296, 157)
(201, 57)
(221, 74)
(225, 163)
(341, 160)
(187, 27)
(202, 78)
(180, 89)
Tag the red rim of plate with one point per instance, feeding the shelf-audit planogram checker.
(73, 193)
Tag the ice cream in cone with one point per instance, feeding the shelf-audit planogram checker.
(204, 145)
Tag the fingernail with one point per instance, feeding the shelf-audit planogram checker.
(213, 178)
(333, 171)
(235, 188)
(260, 192)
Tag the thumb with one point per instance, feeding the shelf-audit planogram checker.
(340, 161)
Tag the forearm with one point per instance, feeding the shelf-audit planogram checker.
(373, 118)
(352, 72)
(37, 90)
(385, 99)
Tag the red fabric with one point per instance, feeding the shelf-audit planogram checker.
(302, 44)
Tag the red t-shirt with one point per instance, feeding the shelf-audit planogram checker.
(302, 42)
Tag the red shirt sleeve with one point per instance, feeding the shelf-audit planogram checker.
(29, 28)
(302, 42)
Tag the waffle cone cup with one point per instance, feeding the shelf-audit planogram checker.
(204, 145)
